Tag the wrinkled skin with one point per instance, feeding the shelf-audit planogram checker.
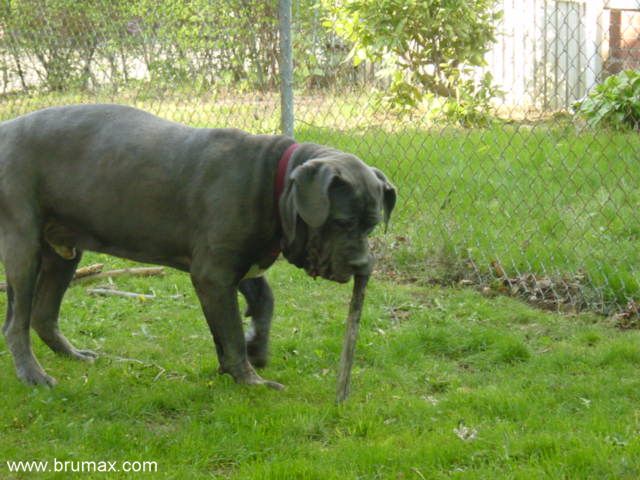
(327, 226)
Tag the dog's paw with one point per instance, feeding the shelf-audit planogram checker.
(83, 355)
(274, 385)
(36, 377)
(258, 380)
(244, 374)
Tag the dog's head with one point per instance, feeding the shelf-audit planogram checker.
(330, 205)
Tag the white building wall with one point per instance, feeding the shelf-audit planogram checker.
(548, 53)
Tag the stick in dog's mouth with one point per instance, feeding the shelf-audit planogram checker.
(351, 336)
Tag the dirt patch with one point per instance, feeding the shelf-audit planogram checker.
(567, 293)
(629, 317)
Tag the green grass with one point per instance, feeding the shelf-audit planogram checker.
(536, 395)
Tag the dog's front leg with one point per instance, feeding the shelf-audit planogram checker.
(218, 295)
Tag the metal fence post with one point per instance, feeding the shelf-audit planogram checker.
(286, 69)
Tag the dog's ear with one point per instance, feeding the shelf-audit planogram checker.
(307, 196)
(388, 195)
(311, 183)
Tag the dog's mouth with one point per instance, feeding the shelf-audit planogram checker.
(317, 262)
(317, 270)
(327, 274)
(317, 265)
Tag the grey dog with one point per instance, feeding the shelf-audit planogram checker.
(220, 204)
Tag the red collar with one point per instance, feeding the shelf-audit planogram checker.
(282, 171)
(283, 163)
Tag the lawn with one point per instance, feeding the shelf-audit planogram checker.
(447, 384)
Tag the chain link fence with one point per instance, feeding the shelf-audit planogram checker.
(527, 198)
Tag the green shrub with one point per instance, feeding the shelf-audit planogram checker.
(71, 45)
(425, 47)
(615, 103)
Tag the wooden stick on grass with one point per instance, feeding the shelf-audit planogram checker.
(94, 272)
(351, 335)
(89, 270)
(138, 272)
(119, 293)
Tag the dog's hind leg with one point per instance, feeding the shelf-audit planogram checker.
(22, 255)
(53, 279)
(260, 308)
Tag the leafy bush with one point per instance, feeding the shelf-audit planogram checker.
(615, 103)
(55, 34)
(427, 47)
(71, 45)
